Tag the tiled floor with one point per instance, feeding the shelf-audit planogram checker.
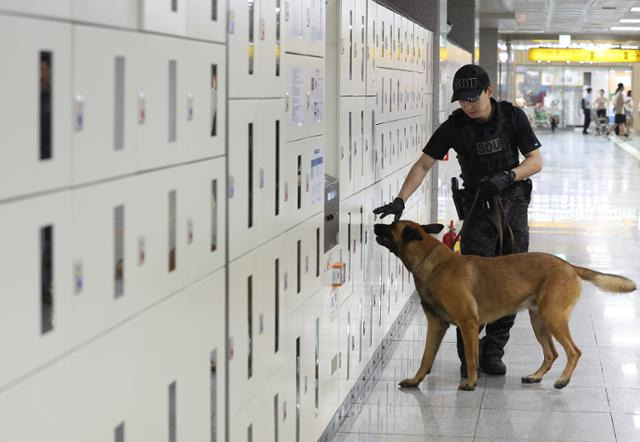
(585, 208)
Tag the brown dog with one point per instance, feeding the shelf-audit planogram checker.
(472, 290)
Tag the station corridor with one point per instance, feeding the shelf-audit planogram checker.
(586, 209)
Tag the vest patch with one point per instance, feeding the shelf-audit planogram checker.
(490, 146)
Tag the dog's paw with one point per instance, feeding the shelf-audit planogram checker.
(561, 384)
(465, 386)
(409, 383)
(530, 380)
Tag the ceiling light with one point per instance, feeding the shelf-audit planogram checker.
(635, 9)
(630, 20)
(625, 28)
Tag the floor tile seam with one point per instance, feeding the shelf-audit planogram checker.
(437, 434)
(470, 438)
(475, 430)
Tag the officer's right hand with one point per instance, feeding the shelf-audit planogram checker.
(396, 207)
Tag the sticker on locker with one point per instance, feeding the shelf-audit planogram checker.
(317, 177)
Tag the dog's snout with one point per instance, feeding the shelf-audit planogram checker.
(381, 229)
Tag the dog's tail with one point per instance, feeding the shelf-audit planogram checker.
(606, 281)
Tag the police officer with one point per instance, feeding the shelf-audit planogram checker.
(487, 137)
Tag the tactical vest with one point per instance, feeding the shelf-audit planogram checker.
(485, 155)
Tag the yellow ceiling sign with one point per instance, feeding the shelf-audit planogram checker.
(585, 55)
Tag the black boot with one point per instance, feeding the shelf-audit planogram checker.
(497, 335)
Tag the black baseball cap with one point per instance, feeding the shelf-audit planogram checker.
(469, 82)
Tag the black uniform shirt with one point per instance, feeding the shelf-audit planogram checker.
(449, 134)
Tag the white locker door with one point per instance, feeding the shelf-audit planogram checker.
(159, 226)
(104, 140)
(372, 46)
(119, 13)
(162, 103)
(347, 47)
(379, 157)
(34, 400)
(360, 47)
(398, 26)
(50, 8)
(384, 88)
(35, 309)
(246, 197)
(305, 26)
(348, 133)
(205, 100)
(349, 218)
(270, 171)
(292, 262)
(206, 20)
(103, 254)
(296, 352)
(310, 413)
(247, 286)
(407, 29)
(164, 17)
(304, 97)
(205, 210)
(369, 142)
(401, 96)
(271, 319)
(385, 19)
(349, 340)
(302, 170)
(359, 144)
(244, 35)
(35, 111)
(315, 27)
(270, 43)
(312, 246)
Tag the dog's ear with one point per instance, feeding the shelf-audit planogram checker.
(432, 228)
(410, 234)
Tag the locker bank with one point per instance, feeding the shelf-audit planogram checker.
(186, 197)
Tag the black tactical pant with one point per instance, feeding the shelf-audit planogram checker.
(481, 237)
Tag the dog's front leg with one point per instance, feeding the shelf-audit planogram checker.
(469, 331)
(436, 329)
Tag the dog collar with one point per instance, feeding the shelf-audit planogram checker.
(423, 260)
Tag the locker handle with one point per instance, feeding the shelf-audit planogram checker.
(142, 108)
(306, 183)
(261, 172)
(308, 100)
(286, 102)
(78, 112)
(308, 17)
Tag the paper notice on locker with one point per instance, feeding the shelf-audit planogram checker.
(317, 87)
(317, 177)
(297, 18)
(317, 20)
(297, 96)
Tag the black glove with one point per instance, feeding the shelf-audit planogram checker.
(494, 185)
(395, 208)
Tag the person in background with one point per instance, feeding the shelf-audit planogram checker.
(586, 110)
(618, 108)
(628, 110)
(601, 104)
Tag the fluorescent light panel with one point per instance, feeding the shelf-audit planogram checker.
(625, 28)
(630, 20)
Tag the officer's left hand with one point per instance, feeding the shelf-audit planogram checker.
(494, 185)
